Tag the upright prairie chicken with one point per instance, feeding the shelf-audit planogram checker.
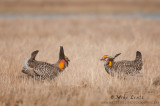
(45, 70)
(123, 67)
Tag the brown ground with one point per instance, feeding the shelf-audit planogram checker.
(85, 41)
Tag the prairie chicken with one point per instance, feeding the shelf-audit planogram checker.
(123, 67)
(45, 70)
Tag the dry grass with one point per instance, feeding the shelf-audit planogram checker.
(85, 41)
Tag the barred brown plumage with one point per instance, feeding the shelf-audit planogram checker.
(124, 67)
(44, 70)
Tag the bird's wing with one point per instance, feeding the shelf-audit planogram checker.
(46, 69)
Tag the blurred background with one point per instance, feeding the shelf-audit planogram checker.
(144, 8)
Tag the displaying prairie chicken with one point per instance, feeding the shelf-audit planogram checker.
(45, 70)
(123, 67)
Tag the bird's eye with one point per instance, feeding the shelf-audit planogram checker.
(67, 57)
